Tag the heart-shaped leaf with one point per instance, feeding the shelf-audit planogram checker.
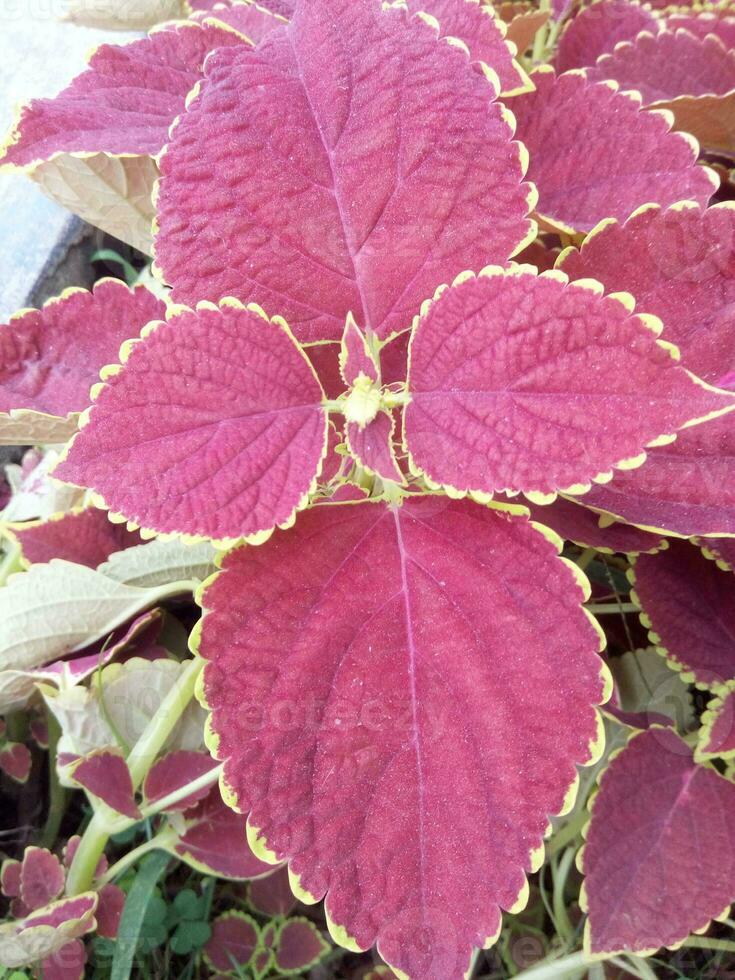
(329, 653)
(658, 861)
(373, 446)
(234, 939)
(298, 946)
(406, 172)
(224, 427)
(494, 408)
(104, 774)
(595, 154)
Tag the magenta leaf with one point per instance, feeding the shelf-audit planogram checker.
(406, 173)
(658, 861)
(41, 878)
(252, 20)
(224, 427)
(233, 942)
(10, 878)
(716, 739)
(42, 933)
(595, 154)
(367, 611)
(66, 963)
(104, 774)
(214, 841)
(721, 550)
(490, 409)
(675, 262)
(173, 771)
(272, 895)
(109, 910)
(15, 761)
(577, 523)
(356, 359)
(124, 102)
(598, 28)
(298, 946)
(483, 32)
(86, 537)
(714, 20)
(50, 358)
(686, 488)
(373, 446)
(688, 604)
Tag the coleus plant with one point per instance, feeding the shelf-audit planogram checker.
(347, 391)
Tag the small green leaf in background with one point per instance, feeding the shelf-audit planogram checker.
(136, 904)
(110, 255)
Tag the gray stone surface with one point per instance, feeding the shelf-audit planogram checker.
(39, 55)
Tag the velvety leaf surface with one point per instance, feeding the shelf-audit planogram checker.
(112, 193)
(686, 488)
(664, 66)
(679, 264)
(405, 173)
(123, 103)
(251, 19)
(51, 357)
(595, 154)
(52, 610)
(687, 602)
(373, 446)
(659, 861)
(577, 523)
(414, 668)
(598, 28)
(299, 945)
(715, 21)
(224, 428)
(234, 938)
(16, 761)
(214, 841)
(484, 34)
(272, 895)
(174, 770)
(717, 734)
(105, 774)
(525, 382)
(86, 537)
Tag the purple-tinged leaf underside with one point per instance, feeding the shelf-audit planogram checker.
(659, 861)
(476, 25)
(105, 774)
(688, 606)
(50, 358)
(716, 738)
(687, 488)
(575, 522)
(598, 28)
(678, 263)
(529, 383)
(693, 77)
(396, 655)
(125, 101)
(373, 446)
(86, 537)
(406, 173)
(595, 154)
(217, 420)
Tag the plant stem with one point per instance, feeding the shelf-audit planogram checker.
(159, 728)
(561, 916)
(132, 857)
(600, 608)
(635, 965)
(105, 820)
(56, 792)
(10, 562)
(586, 557)
(566, 834)
(562, 968)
